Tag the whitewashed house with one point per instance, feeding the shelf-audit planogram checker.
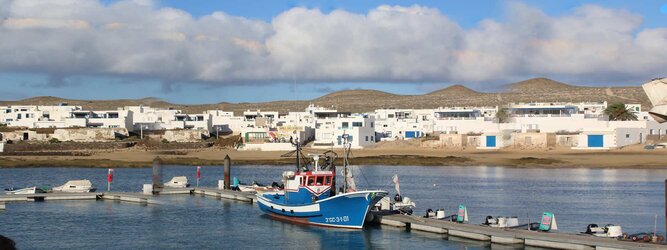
(40, 116)
(330, 130)
(393, 124)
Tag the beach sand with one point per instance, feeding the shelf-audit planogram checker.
(628, 157)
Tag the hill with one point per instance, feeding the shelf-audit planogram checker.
(453, 91)
(532, 90)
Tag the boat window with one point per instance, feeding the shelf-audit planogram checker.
(320, 180)
(311, 181)
(72, 186)
(328, 181)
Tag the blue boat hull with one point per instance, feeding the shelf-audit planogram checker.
(344, 210)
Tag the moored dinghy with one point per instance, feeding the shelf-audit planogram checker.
(310, 196)
(75, 186)
(29, 190)
(178, 182)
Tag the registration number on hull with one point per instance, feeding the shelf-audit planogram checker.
(337, 219)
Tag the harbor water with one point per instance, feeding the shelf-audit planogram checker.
(627, 197)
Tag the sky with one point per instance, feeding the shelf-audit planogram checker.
(194, 52)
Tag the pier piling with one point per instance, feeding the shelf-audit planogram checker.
(227, 171)
(158, 183)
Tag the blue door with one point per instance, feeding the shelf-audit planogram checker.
(595, 141)
(490, 141)
(410, 134)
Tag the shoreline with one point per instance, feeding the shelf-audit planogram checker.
(629, 158)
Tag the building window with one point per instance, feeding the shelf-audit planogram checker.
(650, 131)
(372, 124)
(345, 125)
(366, 138)
(372, 139)
(390, 115)
(357, 124)
(627, 135)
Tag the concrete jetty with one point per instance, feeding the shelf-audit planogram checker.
(510, 236)
(226, 194)
(125, 197)
(131, 197)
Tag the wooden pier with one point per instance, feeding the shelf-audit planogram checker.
(511, 236)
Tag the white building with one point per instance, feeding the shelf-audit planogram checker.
(148, 118)
(39, 116)
(392, 124)
(330, 130)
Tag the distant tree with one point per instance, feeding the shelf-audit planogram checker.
(618, 112)
(503, 115)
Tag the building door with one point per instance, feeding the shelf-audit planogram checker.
(595, 141)
(490, 141)
(25, 136)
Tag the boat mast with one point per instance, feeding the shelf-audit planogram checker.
(346, 152)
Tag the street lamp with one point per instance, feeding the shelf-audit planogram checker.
(141, 128)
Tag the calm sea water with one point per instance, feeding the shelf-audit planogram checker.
(630, 198)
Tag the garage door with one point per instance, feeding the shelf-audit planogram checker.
(595, 141)
(490, 141)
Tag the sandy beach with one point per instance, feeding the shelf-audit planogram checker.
(628, 157)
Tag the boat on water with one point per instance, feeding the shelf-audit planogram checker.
(28, 190)
(178, 182)
(75, 186)
(310, 195)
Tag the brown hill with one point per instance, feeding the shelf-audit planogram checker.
(532, 90)
(457, 89)
(538, 85)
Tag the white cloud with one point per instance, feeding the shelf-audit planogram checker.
(387, 44)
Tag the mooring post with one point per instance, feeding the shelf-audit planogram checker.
(157, 175)
(227, 170)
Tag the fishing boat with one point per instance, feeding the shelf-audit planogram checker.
(75, 186)
(310, 195)
(29, 190)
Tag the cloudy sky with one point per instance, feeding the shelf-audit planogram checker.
(237, 51)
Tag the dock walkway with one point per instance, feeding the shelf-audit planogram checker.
(125, 197)
(511, 236)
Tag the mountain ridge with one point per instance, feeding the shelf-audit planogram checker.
(367, 100)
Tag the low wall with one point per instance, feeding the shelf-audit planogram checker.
(454, 141)
(89, 134)
(184, 135)
(267, 147)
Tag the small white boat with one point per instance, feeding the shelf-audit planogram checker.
(177, 182)
(608, 231)
(502, 221)
(402, 205)
(75, 186)
(29, 190)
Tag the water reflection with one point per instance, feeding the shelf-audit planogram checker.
(629, 197)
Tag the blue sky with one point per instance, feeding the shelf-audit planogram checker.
(257, 64)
